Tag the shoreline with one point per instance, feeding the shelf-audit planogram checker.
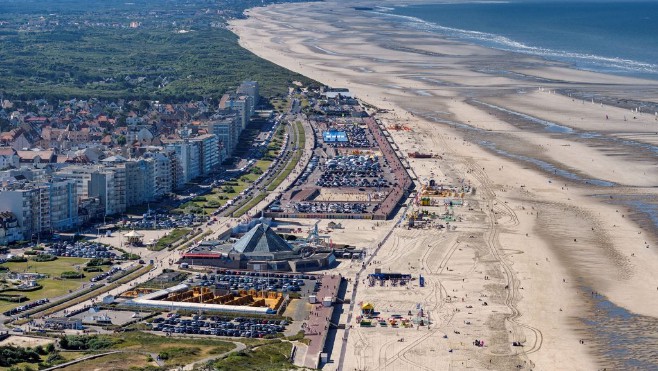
(576, 241)
(487, 40)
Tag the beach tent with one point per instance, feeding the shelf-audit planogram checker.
(367, 308)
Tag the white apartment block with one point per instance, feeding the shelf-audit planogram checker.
(42, 207)
(209, 149)
(139, 181)
(109, 185)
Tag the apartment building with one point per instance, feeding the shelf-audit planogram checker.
(41, 207)
(81, 175)
(109, 185)
(163, 173)
(242, 104)
(226, 126)
(24, 205)
(140, 182)
(59, 205)
(10, 230)
(209, 149)
(250, 88)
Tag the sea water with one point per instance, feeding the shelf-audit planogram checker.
(619, 37)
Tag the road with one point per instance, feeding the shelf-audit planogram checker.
(282, 163)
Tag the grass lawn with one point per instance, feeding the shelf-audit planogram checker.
(280, 105)
(286, 171)
(242, 183)
(145, 342)
(53, 286)
(170, 238)
(272, 356)
(119, 361)
(179, 351)
(246, 207)
(95, 292)
(301, 139)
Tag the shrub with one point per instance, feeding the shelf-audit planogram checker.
(129, 256)
(44, 258)
(72, 275)
(99, 261)
(54, 357)
(39, 349)
(82, 342)
(11, 355)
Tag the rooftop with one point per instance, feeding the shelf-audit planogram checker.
(262, 239)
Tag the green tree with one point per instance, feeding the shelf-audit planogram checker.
(50, 348)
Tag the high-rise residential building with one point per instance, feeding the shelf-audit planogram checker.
(41, 207)
(209, 149)
(61, 197)
(81, 175)
(226, 126)
(24, 204)
(182, 154)
(250, 88)
(10, 230)
(177, 177)
(239, 103)
(194, 160)
(139, 181)
(162, 173)
(109, 185)
(189, 153)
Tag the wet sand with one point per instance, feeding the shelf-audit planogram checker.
(560, 210)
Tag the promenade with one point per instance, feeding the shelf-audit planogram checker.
(317, 325)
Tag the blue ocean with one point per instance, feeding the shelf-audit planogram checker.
(619, 37)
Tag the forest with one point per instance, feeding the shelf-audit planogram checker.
(175, 53)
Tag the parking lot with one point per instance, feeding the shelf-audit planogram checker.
(303, 284)
(352, 157)
(161, 220)
(81, 249)
(353, 171)
(218, 326)
(357, 137)
(335, 207)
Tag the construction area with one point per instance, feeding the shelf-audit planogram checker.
(250, 298)
(184, 297)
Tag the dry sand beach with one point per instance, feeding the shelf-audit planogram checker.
(557, 239)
